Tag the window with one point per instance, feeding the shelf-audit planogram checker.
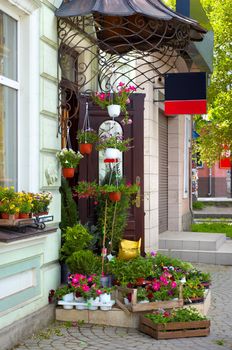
(8, 100)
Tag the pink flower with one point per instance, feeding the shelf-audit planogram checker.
(90, 279)
(156, 286)
(173, 284)
(98, 291)
(128, 101)
(121, 84)
(164, 280)
(85, 288)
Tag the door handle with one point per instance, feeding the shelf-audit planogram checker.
(138, 195)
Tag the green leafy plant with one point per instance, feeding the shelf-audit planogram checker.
(41, 201)
(213, 227)
(60, 292)
(86, 189)
(142, 294)
(68, 158)
(120, 96)
(198, 205)
(69, 214)
(84, 262)
(87, 136)
(74, 238)
(116, 141)
(176, 315)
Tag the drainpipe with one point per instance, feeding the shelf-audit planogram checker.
(210, 182)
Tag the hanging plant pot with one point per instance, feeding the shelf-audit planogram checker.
(68, 172)
(115, 196)
(112, 153)
(114, 110)
(85, 148)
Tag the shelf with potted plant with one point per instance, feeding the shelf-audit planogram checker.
(86, 139)
(116, 102)
(69, 160)
(179, 323)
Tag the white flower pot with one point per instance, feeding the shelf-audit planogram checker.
(105, 298)
(67, 307)
(112, 153)
(82, 307)
(143, 302)
(114, 110)
(68, 297)
(126, 301)
(93, 303)
(106, 307)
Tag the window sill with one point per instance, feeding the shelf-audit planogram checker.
(7, 236)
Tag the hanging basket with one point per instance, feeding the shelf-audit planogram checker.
(114, 110)
(112, 153)
(85, 148)
(115, 196)
(68, 172)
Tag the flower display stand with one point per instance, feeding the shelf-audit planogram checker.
(38, 222)
(116, 316)
(134, 306)
(174, 330)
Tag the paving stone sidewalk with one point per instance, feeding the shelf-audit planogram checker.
(80, 337)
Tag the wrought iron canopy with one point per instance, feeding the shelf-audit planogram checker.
(153, 9)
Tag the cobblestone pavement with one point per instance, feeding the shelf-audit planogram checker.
(79, 337)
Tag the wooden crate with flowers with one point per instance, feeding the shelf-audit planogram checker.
(178, 323)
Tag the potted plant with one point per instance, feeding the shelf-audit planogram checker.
(113, 191)
(9, 208)
(86, 139)
(86, 189)
(25, 205)
(66, 294)
(116, 102)
(68, 160)
(142, 297)
(40, 203)
(113, 146)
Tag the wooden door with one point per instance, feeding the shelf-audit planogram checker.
(133, 161)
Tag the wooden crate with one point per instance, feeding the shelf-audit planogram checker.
(137, 307)
(174, 330)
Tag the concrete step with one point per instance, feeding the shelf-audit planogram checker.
(191, 241)
(223, 256)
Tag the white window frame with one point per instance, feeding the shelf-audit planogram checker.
(27, 14)
(187, 145)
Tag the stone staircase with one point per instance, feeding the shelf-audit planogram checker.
(208, 248)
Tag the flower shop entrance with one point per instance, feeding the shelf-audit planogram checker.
(132, 163)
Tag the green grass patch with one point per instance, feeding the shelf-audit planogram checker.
(198, 205)
(214, 227)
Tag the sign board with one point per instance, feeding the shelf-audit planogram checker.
(185, 93)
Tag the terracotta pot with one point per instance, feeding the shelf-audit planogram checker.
(40, 214)
(115, 196)
(5, 216)
(24, 215)
(68, 172)
(16, 216)
(85, 148)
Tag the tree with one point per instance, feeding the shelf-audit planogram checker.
(217, 132)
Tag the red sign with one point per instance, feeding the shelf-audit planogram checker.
(225, 159)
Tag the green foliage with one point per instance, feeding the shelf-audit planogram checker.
(176, 315)
(68, 158)
(60, 292)
(84, 262)
(218, 132)
(170, 3)
(69, 215)
(74, 239)
(193, 289)
(215, 227)
(113, 142)
(163, 260)
(87, 136)
(141, 294)
(198, 205)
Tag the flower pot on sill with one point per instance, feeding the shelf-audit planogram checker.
(85, 148)
(68, 172)
(112, 153)
(115, 196)
(24, 215)
(5, 216)
(105, 298)
(114, 110)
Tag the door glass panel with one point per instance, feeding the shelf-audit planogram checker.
(8, 46)
(8, 136)
(110, 128)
